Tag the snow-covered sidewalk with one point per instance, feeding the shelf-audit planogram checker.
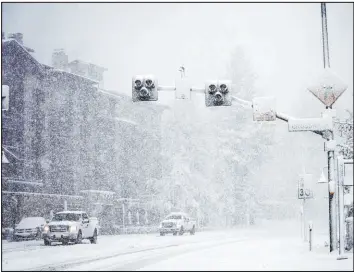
(277, 250)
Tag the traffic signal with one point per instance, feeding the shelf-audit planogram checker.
(144, 88)
(218, 93)
(5, 98)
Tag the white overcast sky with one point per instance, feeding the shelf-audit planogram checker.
(282, 41)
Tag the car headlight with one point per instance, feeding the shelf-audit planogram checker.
(72, 228)
(46, 228)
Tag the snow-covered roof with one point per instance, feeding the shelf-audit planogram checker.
(40, 194)
(59, 71)
(126, 121)
(44, 67)
(24, 49)
(102, 204)
(112, 93)
(24, 182)
(98, 192)
(87, 63)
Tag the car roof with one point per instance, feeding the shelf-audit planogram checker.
(178, 213)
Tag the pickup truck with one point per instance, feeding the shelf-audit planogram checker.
(71, 226)
(177, 223)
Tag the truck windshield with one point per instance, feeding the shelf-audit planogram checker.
(66, 217)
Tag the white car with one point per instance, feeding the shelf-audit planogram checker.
(177, 223)
(71, 226)
(29, 228)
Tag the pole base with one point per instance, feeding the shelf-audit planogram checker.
(342, 257)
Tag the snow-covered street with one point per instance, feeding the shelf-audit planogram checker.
(267, 247)
(177, 136)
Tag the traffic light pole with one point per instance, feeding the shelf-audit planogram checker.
(331, 203)
(330, 154)
(331, 180)
(166, 88)
(322, 127)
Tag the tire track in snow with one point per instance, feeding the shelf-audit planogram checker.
(140, 260)
(72, 265)
(65, 265)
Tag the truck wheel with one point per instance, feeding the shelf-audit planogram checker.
(79, 238)
(93, 239)
(192, 232)
(46, 242)
(162, 234)
(181, 231)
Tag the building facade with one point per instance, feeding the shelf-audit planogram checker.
(65, 138)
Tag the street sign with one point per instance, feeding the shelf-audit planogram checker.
(264, 109)
(183, 88)
(328, 88)
(301, 186)
(310, 124)
(303, 192)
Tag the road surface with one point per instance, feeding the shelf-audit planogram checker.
(247, 248)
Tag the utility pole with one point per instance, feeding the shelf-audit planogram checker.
(330, 153)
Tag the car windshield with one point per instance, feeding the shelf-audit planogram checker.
(174, 216)
(66, 217)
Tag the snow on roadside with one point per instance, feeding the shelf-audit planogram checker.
(269, 253)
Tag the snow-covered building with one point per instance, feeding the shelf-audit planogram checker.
(89, 70)
(63, 134)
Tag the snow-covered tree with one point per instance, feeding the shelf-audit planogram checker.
(211, 155)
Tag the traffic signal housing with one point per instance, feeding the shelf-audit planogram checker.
(144, 88)
(218, 93)
(264, 109)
